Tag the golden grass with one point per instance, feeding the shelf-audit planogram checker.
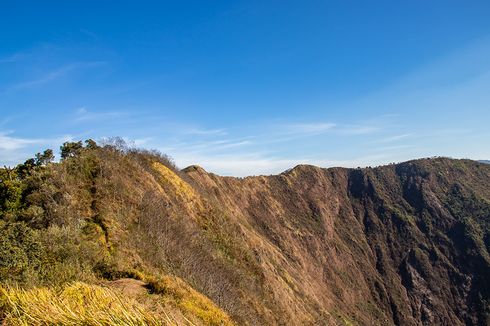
(190, 302)
(75, 304)
(181, 188)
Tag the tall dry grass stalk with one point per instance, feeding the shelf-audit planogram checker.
(76, 304)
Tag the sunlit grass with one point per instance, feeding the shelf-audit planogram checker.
(169, 177)
(189, 301)
(75, 304)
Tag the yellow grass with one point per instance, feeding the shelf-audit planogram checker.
(181, 188)
(76, 304)
(192, 303)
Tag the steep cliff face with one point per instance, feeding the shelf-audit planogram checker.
(404, 244)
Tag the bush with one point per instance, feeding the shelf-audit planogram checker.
(20, 251)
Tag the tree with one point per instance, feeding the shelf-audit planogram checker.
(23, 170)
(91, 144)
(71, 149)
(45, 158)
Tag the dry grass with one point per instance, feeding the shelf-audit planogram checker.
(75, 304)
(180, 187)
(190, 302)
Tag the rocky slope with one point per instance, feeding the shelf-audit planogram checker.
(404, 244)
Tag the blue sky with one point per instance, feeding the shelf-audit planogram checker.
(249, 87)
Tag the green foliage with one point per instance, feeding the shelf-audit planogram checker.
(70, 255)
(20, 251)
(54, 255)
(45, 158)
(11, 188)
(24, 170)
(15, 185)
(71, 149)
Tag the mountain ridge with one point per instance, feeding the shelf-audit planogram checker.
(352, 178)
(198, 167)
(401, 244)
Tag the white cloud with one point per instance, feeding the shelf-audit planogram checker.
(235, 165)
(242, 165)
(317, 128)
(52, 75)
(14, 150)
(309, 128)
(394, 138)
(215, 145)
(357, 130)
(9, 143)
(197, 131)
(84, 115)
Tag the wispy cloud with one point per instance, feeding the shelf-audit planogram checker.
(357, 130)
(219, 145)
(318, 128)
(261, 163)
(287, 132)
(204, 132)
(394, 148)
(255, 151)
(209, 146)
(10, 143)
(394, 138)
(52, 75)
(236, 164)
(291, 132)
(84, 115)
(14, 149)
(12, 58)
(46, 78)
(309, 128)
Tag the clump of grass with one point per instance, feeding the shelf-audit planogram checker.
(75, 304)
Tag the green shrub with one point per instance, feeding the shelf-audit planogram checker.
(20, 250)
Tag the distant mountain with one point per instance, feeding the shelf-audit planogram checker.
(484, 161)
(403, 244)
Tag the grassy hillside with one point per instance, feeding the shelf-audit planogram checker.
(87, 220)
(404, 244)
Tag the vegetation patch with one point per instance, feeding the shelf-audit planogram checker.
(75, 304)
(190, 302)
(169, 177)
